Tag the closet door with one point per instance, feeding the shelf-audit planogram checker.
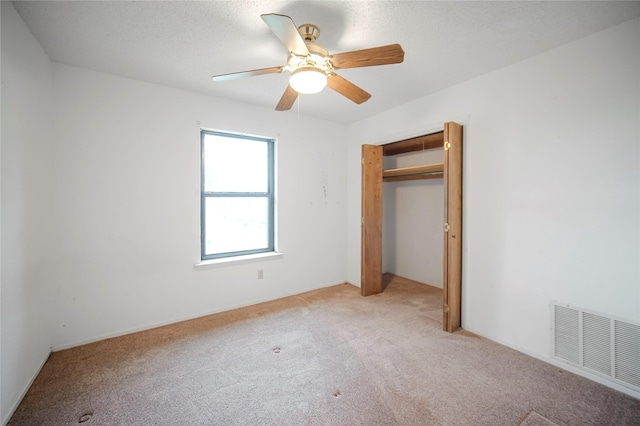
(452, 256)
(371, 239)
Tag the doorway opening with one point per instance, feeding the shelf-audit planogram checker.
(450, 171)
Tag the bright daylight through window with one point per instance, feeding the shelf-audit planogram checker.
(237, 199)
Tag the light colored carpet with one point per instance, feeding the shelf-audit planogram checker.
(535, 419)
(327, 357)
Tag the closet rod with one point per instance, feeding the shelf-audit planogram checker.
(439, 175)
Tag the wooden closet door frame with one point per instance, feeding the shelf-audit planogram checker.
(452, 253)
(371, 227)
(371, 237)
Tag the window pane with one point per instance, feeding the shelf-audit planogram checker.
(234, 164)
(236, 224)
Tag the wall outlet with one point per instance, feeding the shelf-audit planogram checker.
(260, 274)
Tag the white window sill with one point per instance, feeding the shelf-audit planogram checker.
(235, 260)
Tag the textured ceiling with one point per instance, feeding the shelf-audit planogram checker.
(183, 43)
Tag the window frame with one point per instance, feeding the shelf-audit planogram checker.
(269, 195)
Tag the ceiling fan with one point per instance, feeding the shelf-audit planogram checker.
(311, 66)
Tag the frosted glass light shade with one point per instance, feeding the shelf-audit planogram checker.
(308, 80)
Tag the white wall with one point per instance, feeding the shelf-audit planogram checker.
(413, 217)
(26, 295)
(551, 184)
(127, 200)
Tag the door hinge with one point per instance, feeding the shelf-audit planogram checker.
(445, 309)
(362, 220)
(447, 145)
(446, 227)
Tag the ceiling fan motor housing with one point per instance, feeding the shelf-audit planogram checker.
(309, 32)
(318, 58)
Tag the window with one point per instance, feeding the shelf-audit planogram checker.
(237, 194)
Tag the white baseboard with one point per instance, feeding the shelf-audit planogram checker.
(17, 402)
(188, 317)
(556, 363)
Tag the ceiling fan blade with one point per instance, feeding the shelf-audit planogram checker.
(287, 100)
(284, 28)
(243, 74)
(347, 88)
(383, 55)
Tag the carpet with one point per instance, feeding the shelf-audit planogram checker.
(326, 357)
(535, 419)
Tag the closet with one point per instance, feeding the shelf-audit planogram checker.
(450, 171)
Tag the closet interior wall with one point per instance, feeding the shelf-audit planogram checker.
(412, 217)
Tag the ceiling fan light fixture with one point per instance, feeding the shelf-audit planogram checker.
(308, 80)
(311, 66)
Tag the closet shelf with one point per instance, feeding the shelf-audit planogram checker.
(429, 171)
(419, 143)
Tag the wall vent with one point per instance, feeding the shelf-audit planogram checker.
(598, 343)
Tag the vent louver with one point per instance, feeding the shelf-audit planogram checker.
(596, 348)
(627, 353)
(598, 343)
(567, 341)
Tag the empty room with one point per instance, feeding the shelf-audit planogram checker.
(320, 212)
